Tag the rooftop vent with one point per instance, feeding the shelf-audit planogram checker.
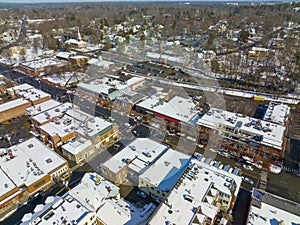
(48, 160)
(30, 146)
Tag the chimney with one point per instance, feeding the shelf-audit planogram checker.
(11, 156)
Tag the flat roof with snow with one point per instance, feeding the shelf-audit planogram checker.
(268, 209)
(42, 107)
(100, 63)
(77, 145)
(51, 113)
(104, 85)
(33, 94)
(178, 108)
(250, 128)
(277, 113)
(40, 63)
(103, 196)
(141, 152)
(12, 104)
(21, 87)
(87, 124)
(57, 209)
(75, 120)
(6, 184)
(169, 58)
(31, 161)
(165, 172)
(202, 189)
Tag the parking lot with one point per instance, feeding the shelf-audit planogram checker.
(14, 131)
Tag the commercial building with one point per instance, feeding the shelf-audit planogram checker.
(28, 92)
(74, 123)
(39, 67)
(78, 149)
(259, 140)
(200, 196)
(174, 110)
(57, 210)
(104, 198)
(270, 209)
(111, 87)
(12, 109)
(48, 113)
(161, 176)
(42, 107)
(277, 113)
(26, 96)
(25, 169)
(132, 161)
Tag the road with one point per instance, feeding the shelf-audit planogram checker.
(241, 207)
(56, 93)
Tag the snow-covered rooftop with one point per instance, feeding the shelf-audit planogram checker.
(277, 113)
(178, 108)
(104, 198)
(57, 209)
(141, 152)
(40, 63)
(31, 161)
(63, 55)
(169, 58)
(33, 94)
(268, 213)
(77, 145)
(267, 133)
(12, 104)
(100, 63)
(201, 185)
(6, 183)
(65, 78)
(52, 113)
(42, 107)
(21, 87)
(87, 124)
(103, 85)
(75, 120)
(165, 172)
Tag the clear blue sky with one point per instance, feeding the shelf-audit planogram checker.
(42, 1)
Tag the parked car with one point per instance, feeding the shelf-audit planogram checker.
(248, 167)
(142, 194)
(248, 180)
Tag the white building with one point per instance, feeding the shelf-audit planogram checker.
(159, 179)
(200, 194)
(177, 109)
(61, 210)
(270, 209)
(42, 107)
(78, 149)
(132, 161)
(110, 87)
(104, 198)
(277, 113)
(266, 133)
(75, 121)
(27, 168)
